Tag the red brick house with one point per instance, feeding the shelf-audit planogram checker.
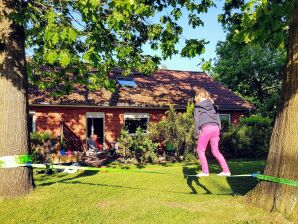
(139, 99)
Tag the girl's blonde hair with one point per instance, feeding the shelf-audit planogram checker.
(203, 93)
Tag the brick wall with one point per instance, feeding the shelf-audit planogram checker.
(48, 118)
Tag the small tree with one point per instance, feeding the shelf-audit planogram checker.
(144, 149)
(176, 131)
(125, 142)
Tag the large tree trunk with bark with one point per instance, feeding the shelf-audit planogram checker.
(282, 160)
(14, 138)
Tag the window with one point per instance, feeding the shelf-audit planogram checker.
(31, 122)
(133, 120)
(126, 82)
(225, 117)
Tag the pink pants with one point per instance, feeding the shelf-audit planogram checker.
(210, 133)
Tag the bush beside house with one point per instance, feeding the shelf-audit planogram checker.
(138, 147)
(248, 139)
(175, 132)
(175, 137)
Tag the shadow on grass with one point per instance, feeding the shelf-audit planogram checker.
(190, 180)
(121, 186)
(242, 185)
(238, 185)
(86, 173)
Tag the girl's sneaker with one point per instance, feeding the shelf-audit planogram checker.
(202, 174)
(224, 174)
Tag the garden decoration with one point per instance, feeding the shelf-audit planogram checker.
(26, 160)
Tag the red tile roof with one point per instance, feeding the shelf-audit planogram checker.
(160, 89)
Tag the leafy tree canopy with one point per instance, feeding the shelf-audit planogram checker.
(252, 71)
(81, 41)
(251, 60)
(258, 21)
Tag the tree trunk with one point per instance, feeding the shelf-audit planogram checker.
(14, 139)
(282, 160)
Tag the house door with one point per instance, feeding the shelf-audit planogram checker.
(95, 125)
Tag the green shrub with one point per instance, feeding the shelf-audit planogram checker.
(249, 139)
(176, 132)
(257, 121)
(190, 157)
(39, 138)
(39, 142)
(143, 147)
(138, 146)
(125, 143)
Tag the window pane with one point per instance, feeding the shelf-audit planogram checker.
(131, 124)
(224, 117)
(126, 82)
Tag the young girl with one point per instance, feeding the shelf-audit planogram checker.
(207, 128)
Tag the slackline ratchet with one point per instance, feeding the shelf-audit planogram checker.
(26, 160)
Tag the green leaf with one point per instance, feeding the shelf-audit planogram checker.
(52, 57)
(193, 48)
(64, 33)
(206, 66)
(195, 21)
(64, 58)
(177, 13)
(55, 38)
(72, 34)
(51, 16)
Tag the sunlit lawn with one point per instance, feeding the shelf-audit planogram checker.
(133, 197)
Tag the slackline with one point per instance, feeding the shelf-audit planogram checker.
(26, 161)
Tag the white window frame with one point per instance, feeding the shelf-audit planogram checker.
(137, 115)
(96, 115)
(33, 114)
(229, 115)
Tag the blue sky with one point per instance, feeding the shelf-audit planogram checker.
(212, 32)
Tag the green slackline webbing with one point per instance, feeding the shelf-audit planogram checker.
(25, 160)
(241, 175)
(14, 161)
(277, 180)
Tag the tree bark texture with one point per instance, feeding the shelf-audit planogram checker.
(282, 159)
(14, 139)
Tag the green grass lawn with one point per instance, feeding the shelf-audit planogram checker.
(133, 197)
